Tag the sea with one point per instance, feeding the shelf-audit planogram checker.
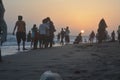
(10, 46)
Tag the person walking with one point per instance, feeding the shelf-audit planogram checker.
(21, 32)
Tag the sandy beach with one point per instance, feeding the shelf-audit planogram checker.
(72, 62)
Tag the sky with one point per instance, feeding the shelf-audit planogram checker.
(77, 14)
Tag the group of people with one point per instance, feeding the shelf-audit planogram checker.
(44, 34)
(79, 38)
(92, 37)
(64, 36)
(111, 38)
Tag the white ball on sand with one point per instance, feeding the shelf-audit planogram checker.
(49, 75)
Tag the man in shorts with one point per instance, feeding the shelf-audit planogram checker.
(21, 32)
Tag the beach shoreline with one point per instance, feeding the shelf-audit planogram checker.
(72, 62)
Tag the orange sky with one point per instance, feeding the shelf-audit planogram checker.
(77, 14)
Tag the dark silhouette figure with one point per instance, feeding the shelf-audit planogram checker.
(21, 32)
(91, 37)
(35, 36)
(118, 33)
(102, 31)
(78, 39)
(113, 36)
(51, 31)
(58, 37)
(44, 34)
(67, 37)
(62, 35)
(29, 37)
(3, 25)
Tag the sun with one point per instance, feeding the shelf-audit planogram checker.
(82, 31)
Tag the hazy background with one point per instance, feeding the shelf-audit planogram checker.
(77, 14)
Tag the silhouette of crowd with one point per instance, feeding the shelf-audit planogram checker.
(64, 36)
(44, 34)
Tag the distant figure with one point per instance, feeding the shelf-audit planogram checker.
(102, 31)
(43, 30)
(91, 37)
(118, 33)
(29, 37)
(113, 36)
(96, 37)
(35, 36)
(78, 39)
(67, 37)
(58, 37)
(21, 32)
(3, 25)
(62, 35)
(85, 40)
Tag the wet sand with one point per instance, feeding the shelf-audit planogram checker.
(72, 62)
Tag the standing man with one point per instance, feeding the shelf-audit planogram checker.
(62, 35)
(67, 37)
(21, 32)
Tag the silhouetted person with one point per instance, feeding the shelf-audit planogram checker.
(35, 37)
(21, 32)
(29, 37)
(102, 31)
(51, 31)
(67, 37)
(78, 39)
(113, 36)
(62, 35)
(118, 33)
(3, 25)
(43, 30)
(58, 37)
(92, 36)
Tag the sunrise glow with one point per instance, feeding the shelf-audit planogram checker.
(77, 14)
(82, 31)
